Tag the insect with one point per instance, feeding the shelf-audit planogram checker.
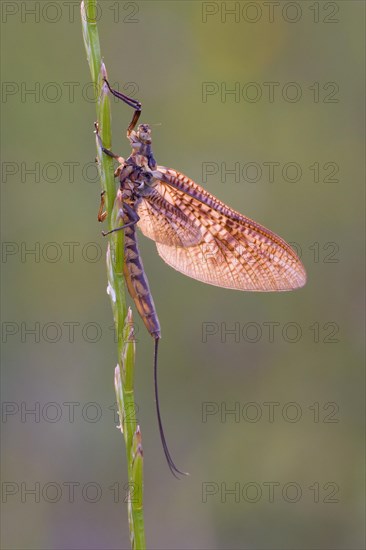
(195, 233)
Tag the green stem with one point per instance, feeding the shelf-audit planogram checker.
(124, 372)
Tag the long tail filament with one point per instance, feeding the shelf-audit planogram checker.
(172, 466)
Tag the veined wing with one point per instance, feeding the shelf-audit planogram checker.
(164, 223)
(234, 251)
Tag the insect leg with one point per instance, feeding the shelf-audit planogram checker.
(118, 170)
(133, 218)
(129, 101)
(102, 214)
(121, 160)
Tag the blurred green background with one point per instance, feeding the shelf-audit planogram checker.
(297, 472)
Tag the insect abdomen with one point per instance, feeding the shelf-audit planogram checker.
(138, 285)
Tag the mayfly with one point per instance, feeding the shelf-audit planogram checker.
(195, 233)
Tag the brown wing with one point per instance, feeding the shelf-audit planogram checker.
(234, 251)
(165, 223)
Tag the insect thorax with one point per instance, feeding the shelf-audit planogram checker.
(136, 173)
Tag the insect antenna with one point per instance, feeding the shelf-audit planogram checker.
(168, 457)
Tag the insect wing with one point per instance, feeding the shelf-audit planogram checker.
(234, 251)
(164, 223)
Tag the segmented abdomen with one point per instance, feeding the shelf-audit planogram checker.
(137, 283)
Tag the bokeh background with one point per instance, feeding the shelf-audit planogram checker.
(299, 396)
